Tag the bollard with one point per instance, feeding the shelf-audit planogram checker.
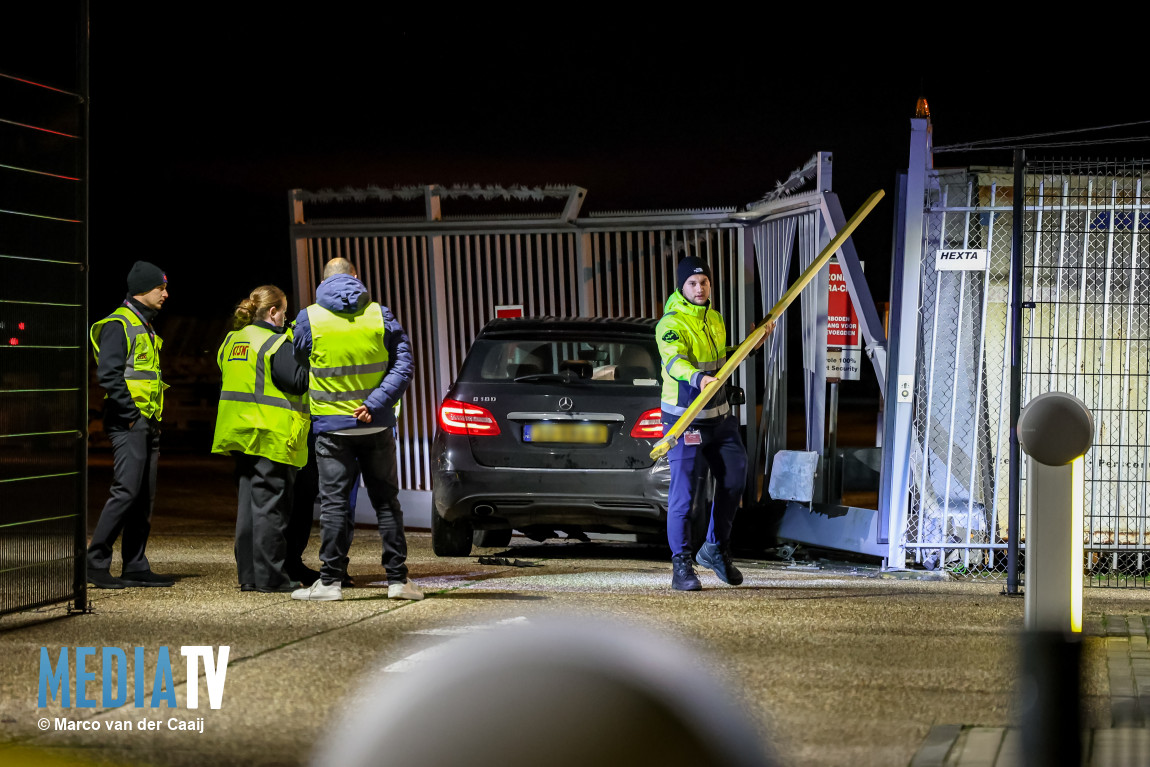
(1056, 430)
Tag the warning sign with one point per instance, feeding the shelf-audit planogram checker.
(844, 348)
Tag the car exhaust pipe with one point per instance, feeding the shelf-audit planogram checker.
(484, 510)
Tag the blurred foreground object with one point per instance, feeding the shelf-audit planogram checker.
(556, 693)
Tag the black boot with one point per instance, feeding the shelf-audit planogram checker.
(718, 558)
(101, 578)
(683, 576)
(146, 578)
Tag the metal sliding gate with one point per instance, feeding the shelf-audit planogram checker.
(1085, 324)
(1087, 332)
(444, 280)
(957, 512)
(43, 320)
(445, 277)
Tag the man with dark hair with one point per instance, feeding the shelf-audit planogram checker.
(127, 352)
(361, 364)
(692, 341)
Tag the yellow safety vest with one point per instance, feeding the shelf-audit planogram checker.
(142, 368)
(691, 339)
(254, 416)
(348, 358)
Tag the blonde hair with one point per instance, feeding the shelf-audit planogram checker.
(338, 266)
(257, 305)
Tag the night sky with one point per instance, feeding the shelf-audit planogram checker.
(204, 115)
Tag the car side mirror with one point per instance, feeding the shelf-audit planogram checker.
(736, 396)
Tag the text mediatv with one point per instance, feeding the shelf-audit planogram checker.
(58, 680)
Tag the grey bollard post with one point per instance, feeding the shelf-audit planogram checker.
(1056, 430)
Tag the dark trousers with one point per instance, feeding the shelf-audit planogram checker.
(722, 450)
(262, 511)
(304, 493)
(128, 511)
(340, 459)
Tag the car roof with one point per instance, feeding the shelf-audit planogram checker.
(643, 327)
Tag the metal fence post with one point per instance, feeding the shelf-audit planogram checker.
(1013, 505)
(751, 372)
(437, 270)
(301, 279)
(906, 274)
(80, 576)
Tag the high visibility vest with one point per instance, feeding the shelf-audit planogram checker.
(348, 358)
(691, 338)
(254, 416)
(142, 364)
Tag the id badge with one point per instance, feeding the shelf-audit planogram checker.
(692, 437)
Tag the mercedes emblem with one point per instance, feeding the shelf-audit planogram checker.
(565, 403)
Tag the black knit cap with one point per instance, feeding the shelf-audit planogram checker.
(144, 276)
(689, 267)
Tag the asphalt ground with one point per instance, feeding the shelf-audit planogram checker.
(826, 662)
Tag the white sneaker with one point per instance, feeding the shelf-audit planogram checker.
(318, 592)
(405, 590)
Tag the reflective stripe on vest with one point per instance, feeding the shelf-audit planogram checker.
(710, 412)
(701, 330)
(348, 358)
(142, 361)
(255, 417)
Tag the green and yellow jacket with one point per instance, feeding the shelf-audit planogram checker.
(692, 343)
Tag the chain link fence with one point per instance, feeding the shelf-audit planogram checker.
(958, 509)
(1086, 331)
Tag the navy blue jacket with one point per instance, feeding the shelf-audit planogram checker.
(343, 293)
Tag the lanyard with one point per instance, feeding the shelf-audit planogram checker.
(147, 325)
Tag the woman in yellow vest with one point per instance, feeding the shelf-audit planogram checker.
(263, 422)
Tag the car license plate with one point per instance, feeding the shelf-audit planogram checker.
(584, 433)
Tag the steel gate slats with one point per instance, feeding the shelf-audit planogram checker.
(624, 266)
(44, 370)
(413, 420)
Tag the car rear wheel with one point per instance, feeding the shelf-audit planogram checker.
(450, 539)
(492, 539)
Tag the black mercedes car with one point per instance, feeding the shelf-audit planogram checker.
(548, 428)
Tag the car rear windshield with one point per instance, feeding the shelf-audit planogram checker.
(626, 361)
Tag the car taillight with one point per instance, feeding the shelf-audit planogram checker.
(649, 425)
(460, 418)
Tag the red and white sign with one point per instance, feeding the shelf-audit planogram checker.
(842, 322)
(844, 349)
(504, 312)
